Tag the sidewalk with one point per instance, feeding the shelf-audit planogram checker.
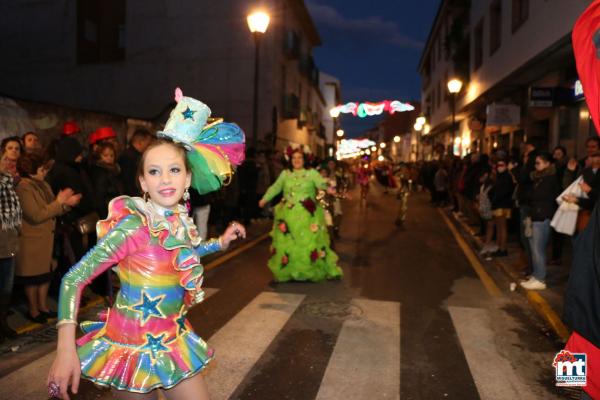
(548, 303)
(256, 231)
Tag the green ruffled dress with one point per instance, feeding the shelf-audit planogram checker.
(301, 247)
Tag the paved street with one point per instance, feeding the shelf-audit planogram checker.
(411, 319)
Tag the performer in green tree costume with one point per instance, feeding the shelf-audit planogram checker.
(300, 249)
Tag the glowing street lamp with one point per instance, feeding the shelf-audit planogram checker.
(396, 139)
(417, 127)
(258, 22)
(421, 120)
(334, 112)
(381, 158)
(340, 133)
(426, 129)
(454, 86)
(382, 145)
(373, 148)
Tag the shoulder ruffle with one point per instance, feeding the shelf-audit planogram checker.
(182, 238)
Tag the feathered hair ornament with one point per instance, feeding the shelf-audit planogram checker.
(212, 149)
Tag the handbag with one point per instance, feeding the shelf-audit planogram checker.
(87, 224)
(569, 218)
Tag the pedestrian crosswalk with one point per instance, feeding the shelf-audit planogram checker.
(365, 362)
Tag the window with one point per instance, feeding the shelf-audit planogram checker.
(101, 31)
(520, 13)
(478, 46)
(495, 26)
(439, 42)
(440, 93)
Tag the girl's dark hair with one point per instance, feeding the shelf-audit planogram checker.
(28, 134)
(9, 139)
(101, 146)
(159, 142)
(544, 155)
(29, 163)
(304, 159)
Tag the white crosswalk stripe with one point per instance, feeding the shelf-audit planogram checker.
(241, 342)
(365, 363)
(477, 337)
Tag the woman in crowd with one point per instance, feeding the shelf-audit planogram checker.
(10, 222)
(546, 188)
(501, 198)
(36, 241)
(301, 245)
(105, 175)
(144, 342)
(11, 149)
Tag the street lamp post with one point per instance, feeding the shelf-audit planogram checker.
(258, 22)
(454, 86)
(334, 113)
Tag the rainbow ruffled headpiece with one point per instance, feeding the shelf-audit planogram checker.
(212, 149)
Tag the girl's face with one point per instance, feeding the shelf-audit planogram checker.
(297, 161)
(107, 156)
(12, 150)
(541, 164)
(165, 177)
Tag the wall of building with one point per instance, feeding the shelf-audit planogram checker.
(548, 22)
(204, 47)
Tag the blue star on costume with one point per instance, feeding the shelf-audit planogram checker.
(188, 113)
(149, 307)
(180, 321)
(154, 344)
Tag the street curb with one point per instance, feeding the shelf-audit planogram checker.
(539, 304)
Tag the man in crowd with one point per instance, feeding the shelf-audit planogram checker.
(128, 161)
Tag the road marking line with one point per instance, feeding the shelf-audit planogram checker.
(228, 256)
(477, 338)
(485, 278)
(544, 309)
(244, 338)
(365, 362)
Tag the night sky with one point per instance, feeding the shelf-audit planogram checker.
(373, 48)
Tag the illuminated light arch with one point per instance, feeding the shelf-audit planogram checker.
(369, 109)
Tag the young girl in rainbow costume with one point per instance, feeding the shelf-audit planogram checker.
(144, 342)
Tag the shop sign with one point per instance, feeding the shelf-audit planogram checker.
(541, 97)
(503, 115)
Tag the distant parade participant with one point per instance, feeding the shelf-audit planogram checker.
(145, 342)
(363, 177)
(301, 245)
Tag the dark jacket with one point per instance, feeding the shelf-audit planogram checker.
(107, 185)
(66, 173)
(128, 162)
(524, 181)
(502, 191)
(545, 190)
(582, 298)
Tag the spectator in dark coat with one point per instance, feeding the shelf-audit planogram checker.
(106, 177)
(546, 188)
(591, 186)
(522, 174)
(129, 160)
(68, 172)
(501, 198)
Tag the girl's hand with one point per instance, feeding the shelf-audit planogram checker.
(64, 195)
(65, 371)
(572, 165)
(234, 231)
(262, 203)
(73, 200)
(585, 187)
